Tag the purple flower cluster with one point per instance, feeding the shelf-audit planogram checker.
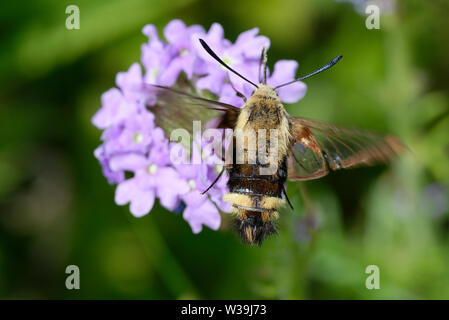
(131, 141)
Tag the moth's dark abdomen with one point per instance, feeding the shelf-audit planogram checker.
(246, 179)
(256, 199)
(255, 185)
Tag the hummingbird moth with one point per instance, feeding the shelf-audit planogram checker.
(306, 149)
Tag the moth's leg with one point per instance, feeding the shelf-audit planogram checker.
(286, 197)
(215, 181)
(238, 93)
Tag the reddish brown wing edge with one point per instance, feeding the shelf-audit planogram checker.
(336, 148)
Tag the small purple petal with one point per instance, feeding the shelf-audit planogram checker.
(113, 177)
(171, 73)
(150, 31)
(174, 31)
(128, 162)
(293, 92)
(194, 198)
(125, 191)
(206, 214)
(284, 71)
(250, 44)
(130, 82)
(169, 194)
(114, 109)
(213, 82)
(142, 203)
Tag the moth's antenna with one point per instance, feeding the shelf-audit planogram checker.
(325, 67)
(209, 51)
(263, 66)
(260, 66)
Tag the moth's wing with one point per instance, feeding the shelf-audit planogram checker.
(178, 109)
(305, 159)
(318, 146)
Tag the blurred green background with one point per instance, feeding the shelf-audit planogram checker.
(57, 209)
